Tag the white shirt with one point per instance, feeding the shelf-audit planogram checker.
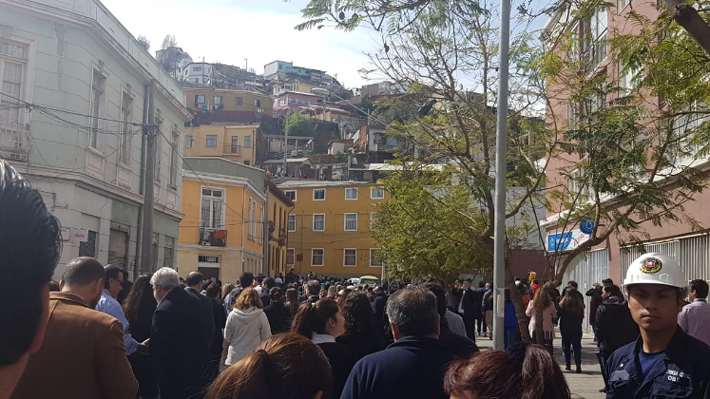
(322, 339)
(694, 319)
(461, 301)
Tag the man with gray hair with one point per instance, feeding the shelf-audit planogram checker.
(177, 341)
(413, 366)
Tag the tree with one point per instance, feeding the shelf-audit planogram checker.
(169, 42)
(432, 226)
(144, 42)
(299, 125)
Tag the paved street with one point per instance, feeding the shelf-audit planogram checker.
(583, 386)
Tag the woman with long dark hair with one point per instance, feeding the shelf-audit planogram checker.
(360, 335)
(322, 322)
(292, 301)
(285, 366)
(139, 307)
(277, 313)
(549, 312)
(571, 316)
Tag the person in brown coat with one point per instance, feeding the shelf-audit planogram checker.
(83, 355)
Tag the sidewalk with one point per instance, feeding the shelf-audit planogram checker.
(583, 386)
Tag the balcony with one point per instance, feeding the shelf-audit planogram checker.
(232, 149)
(213, 237)
(14, 141)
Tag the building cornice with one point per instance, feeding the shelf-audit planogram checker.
(224, 180)
(94, 185)
(220, 249)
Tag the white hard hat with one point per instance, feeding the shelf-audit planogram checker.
(654, 268)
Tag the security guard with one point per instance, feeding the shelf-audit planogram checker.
(664, 362)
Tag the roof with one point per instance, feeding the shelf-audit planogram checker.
(289, 160)
(324, 159)
(299, 92)
(276, 192)
(389, 167)
(300, 183)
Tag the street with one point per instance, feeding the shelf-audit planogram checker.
(582, 386)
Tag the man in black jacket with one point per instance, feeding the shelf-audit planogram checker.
(613, 325)
(412, 367)
(266, 285)
(312, 292)
(177, 338)
(468, 309)
(380, 309)
(194, 288)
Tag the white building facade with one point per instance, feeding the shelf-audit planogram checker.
(72, 105)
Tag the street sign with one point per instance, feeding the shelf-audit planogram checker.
(566, 241)
(587, 225)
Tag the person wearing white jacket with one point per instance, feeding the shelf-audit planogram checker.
(246, 326)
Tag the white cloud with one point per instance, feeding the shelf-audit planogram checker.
(220, 30)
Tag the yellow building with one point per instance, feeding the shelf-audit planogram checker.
(222, 234)
(235, 143)
(279, 206)
(329, 227)
(234, 103)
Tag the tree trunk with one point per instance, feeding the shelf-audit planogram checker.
(689, 18)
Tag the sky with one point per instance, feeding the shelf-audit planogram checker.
(261, 31)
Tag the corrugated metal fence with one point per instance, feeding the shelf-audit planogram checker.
(692, 253)
(587, 269)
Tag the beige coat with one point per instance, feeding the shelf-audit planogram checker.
(82, 357)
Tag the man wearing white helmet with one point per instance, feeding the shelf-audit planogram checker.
(664, 362)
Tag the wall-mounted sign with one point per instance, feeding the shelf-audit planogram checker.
(566, 241)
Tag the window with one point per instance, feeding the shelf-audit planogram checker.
(627, 78)
(247, 141)
(290, 256)
(12, 59)
(207, 259)
(98, 90)
(168, 252)
(350, 193)
(197, 69)
(234, 148)
(257, 103)
(158, 155)
(377, 193)
(373, 215)
(622, 4)
(250, 235)
(261, 225)
(319, 222)
(319, 195)
(126, 128)
(578, 189)
(351, 222)
(217, 100)
(174, 155)
(350, 257)
(594, 41)
(291, 223)
(316, 257)
(239, 101)
(572, 116)
(211, 141)
(212, 212)
(88, 247)
(291, 194)
(374, 258)
(200, 99)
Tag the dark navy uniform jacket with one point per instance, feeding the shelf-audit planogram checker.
(682, 371)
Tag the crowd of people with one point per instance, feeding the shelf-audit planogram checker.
(93, 334)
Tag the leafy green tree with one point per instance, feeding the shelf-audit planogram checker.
(299, 125)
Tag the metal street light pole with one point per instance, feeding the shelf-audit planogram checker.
(500, 182)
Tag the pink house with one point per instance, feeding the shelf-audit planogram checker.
(294, 99)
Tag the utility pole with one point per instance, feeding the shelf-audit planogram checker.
(500, 180)
(246, 64)
(148, 201)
